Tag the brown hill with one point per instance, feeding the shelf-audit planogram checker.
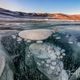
(64, 16)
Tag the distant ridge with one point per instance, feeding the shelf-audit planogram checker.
(7, 14)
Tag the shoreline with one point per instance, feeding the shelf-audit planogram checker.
(35, 20)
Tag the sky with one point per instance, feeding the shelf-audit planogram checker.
(42, 6)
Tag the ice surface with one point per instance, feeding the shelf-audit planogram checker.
(2, 64)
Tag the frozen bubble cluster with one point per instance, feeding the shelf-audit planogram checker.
(36, 34)
(48, 60)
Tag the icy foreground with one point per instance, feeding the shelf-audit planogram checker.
(34, 59)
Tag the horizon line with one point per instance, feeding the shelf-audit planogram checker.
(41, 12)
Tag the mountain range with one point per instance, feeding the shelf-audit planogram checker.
(11, 15)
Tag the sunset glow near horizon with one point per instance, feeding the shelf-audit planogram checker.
(42, 6)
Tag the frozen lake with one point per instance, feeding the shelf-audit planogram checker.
(66, 37)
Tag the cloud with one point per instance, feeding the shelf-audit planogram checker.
(7, 4)
(14, 5)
